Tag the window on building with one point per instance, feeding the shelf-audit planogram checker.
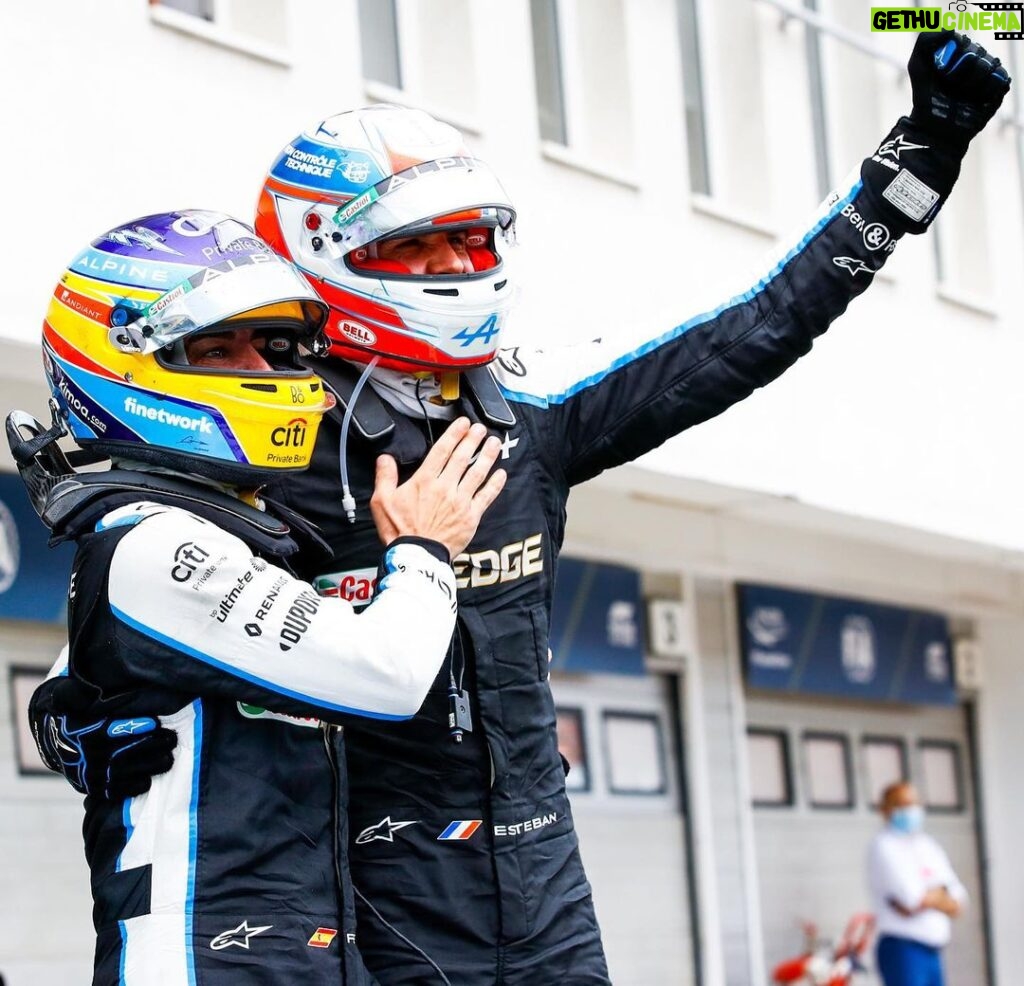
(421, 52)
(197, 8)
(547, 69)
(258, 27)
(771, 784)
(729, 106)
(844, 67)
(940, 775)
(1016, 63)
(378, 38)
(23, 681)
(582, 79)
(693, 97)
(816, 91)
(635, 753)
(827, 772)
(573, 746)
(885, 763)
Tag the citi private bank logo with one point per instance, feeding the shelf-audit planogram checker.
(958, 15)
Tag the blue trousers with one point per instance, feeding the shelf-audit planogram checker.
(903, 962)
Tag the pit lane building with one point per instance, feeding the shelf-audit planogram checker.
(762, 622)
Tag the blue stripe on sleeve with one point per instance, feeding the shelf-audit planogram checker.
(235, 672)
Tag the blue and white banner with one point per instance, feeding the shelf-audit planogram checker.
(597, 619)
(33, 577)
(801, 642)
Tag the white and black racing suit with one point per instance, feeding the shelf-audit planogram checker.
(231, 869)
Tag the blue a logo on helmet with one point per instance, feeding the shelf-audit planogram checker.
(330, 169)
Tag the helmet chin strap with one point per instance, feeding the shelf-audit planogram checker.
(450, 385)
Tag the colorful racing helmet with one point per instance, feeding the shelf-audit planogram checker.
(116, 336)
(342, 189)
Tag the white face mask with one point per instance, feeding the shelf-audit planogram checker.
(908, 820)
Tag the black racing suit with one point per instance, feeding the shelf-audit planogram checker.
(231, 869)
(464, 855)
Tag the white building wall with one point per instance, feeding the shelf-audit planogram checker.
(118, 115)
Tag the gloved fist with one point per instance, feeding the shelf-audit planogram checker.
(957, 86)
(112, 758)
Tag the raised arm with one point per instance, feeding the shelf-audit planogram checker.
(615, 399)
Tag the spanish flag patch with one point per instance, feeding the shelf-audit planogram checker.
(322, 937)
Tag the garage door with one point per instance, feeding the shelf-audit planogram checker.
(816, 770)
(618, 734)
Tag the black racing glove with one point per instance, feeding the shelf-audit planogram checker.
(957, 88)
(957, 85)
(112, 758)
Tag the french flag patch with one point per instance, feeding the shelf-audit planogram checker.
(460, 831)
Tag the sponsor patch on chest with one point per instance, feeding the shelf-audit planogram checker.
(490, 566)
(356, 586)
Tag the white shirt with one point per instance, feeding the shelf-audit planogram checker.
(902, 868)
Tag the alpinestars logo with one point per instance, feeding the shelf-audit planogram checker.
(895, 147)
(238, 936)
(852, 265)
(383, 831)
(130, 727)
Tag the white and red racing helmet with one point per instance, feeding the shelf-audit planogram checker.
(347, 185)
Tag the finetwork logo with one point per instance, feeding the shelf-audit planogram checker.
(203, 425)
(959, 15)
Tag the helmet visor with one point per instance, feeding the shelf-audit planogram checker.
(414, 197)
(219, 292)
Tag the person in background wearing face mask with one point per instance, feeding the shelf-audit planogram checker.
(914, 893)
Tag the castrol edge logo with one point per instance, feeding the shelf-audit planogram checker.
(356, 586)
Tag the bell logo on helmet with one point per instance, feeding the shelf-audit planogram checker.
(359, 334)
(291, 435)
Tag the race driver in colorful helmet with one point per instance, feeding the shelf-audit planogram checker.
(171, 345)
(463, 846)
